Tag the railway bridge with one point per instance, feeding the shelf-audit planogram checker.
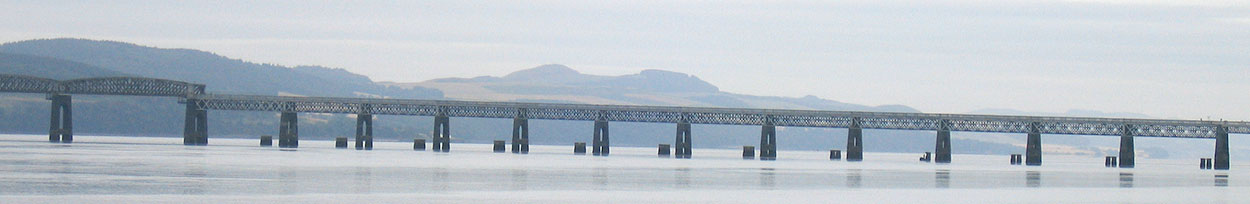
(198, 102)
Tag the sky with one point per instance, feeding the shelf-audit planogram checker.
(1167, 59)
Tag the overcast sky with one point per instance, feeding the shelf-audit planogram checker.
(1182, 59)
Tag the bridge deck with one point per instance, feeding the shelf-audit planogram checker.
(727, 116)
(195, 94)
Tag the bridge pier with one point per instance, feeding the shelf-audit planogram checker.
(600, 143)
(942, 147)
(1126, 146)
(195, 129)
(364, 132)
(1221, 148)
(1033, 148)
(442, 133)
(768, 142)
(520, 135)
(61, 128)
(288, 130)
(855, 142)
(682, 146)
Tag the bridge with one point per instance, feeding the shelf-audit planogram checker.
(198, 103)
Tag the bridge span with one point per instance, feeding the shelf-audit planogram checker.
(198, 103)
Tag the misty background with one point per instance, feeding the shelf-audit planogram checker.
(1166, 59)
(1101, 58)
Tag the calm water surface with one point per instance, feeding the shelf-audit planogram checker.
(134, 169)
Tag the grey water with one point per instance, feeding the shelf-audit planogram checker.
(98, 169)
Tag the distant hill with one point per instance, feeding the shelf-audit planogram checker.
(111, 115)
(51, 68)
(156, 116)
(221, 74)
(554, 82)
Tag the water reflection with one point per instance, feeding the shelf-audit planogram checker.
(441, 178)
(520, 179)
(768, 178)
(1126, 180)
(194, 171)
(288, 179)
(942, 178)
(601, 177)
(1033, 179)
(363, 180)
(1221, 180)
(854, 178)
(682, 177)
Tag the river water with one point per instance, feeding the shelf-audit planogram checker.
(98, 169)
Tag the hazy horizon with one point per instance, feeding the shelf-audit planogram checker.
(1185, 60)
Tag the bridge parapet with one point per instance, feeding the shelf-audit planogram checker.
(28, 84)
(138, 86)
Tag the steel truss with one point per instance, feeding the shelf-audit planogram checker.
(136, 86)
(723, 116)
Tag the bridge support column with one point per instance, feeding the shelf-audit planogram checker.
(61, 128)
(1126, 146)
(600, 143)
(442, 133)
(942, 147)
(768, 142)
(1033, 147)
(855, 142)
(520, 135)
(288, 130)
(364, 132)
(682, 146)
(195, 129)
(1221, 148)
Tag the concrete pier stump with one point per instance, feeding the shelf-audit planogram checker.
(418, 144)
(664, 150)
(340, 142)
(266, 140)
(579, 148)
(748, 152)
(499, 146)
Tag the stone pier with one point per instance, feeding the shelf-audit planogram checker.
(195, 130)
(1126, 146)
(441, 141)
(364, 132)
(520, 135)
(682, 146)
(1221, 148)
(942, 149)
(768, 142)
(288, 130)
(855, 142)
(600, 145)
(61, 129)
(1033, 147)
